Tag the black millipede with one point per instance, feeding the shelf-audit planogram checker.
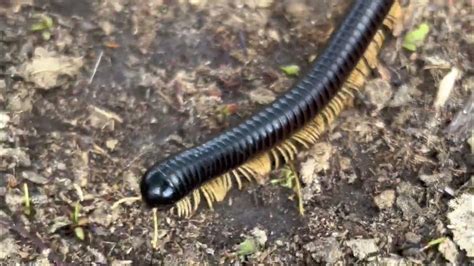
(274, 134)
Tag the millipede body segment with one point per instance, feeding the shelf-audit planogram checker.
(273, 135)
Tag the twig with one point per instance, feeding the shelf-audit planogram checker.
(154, 241)
(96, 67)
(128, 199)
(27, 199)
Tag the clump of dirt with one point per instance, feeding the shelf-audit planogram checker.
(116, 85)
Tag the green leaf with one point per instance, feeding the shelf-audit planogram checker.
(416, 37)
(27, 200)
(75, 214)
(249, 246)
(46, 35)
(44, 23)
(291, 70)
(48, 22)
(79, 232)
(38, 26)
(436, 241)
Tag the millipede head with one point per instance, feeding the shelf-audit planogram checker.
(157, 190)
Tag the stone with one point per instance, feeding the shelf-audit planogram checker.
(325, 249)
(361, 248)
(408, 206)
(34, 177)
(385, 199)
(449, 250)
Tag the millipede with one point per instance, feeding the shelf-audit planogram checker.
(274, 135)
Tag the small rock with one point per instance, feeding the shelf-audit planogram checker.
(262, 96)
(389, 261)
(197, 3)
(461, 224)
(260, 236)
(297, 8)
(104, 215)
(361, 248)
(61, 166)
(8, 247)
(20, 101)
(14, 201)
(412, 238)
(429, 179)
(3, 136)
(34, 177)
(408, 189)
(121, 263)
(111, 144)
(321, 152)
(4, 119)
(385, 199)
(107, 27)
(449, 251)
(404, 96)
(131, 180)
(325, 249)
(377, 93)
(408, 206)
(16, 154)
(308, 171)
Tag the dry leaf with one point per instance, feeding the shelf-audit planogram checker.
(446, 87)
(46, 68)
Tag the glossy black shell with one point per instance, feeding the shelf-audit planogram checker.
(170, 180)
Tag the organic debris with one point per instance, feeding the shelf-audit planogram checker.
(46, 68)
(446, 87)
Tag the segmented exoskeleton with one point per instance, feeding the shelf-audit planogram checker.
(272, 136)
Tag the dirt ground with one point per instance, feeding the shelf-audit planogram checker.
(94, 92)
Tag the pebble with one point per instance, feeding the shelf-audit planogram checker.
(325, 249)
(17, 154)
(262, 96)
(14, 200)
(385, 199)
(412, 237)
(408, 206)
(4, 119)
(34, 177)
(361, 248)
(8, 247)
(3, 136)
(378, 92)
(449, 250)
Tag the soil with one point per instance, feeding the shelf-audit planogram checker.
(135, 81)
